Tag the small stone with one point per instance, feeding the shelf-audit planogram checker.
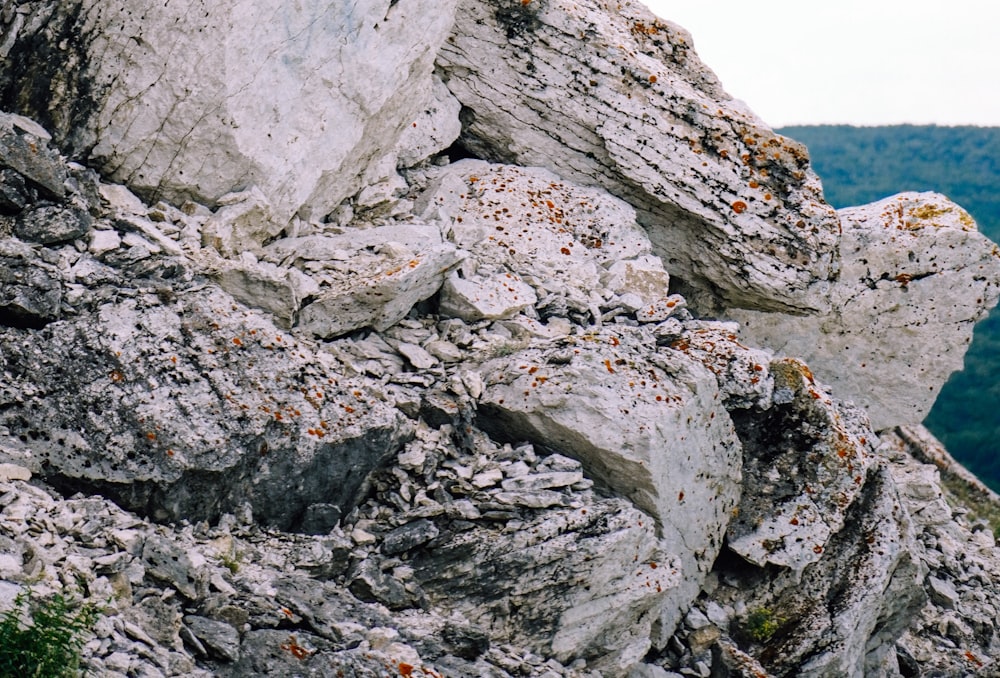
(118, 661)
(717, 614)
(696, 619)
(445, 351)
(362, 537)
(9, 472)
(409, 536)
(417, 356)
(660, 310)
(558, 462)
(703, 638)
(413, 458)
(220, 638)
(536, 500)
(487, 478)
(462, 509)
(104, 241)
(942, 592)
(542, 481)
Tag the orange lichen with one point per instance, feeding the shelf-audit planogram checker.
(297, 651)
(739, 207)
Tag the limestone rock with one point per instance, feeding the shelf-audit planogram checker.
(562, 585)
(31, 290)
(279, 291)
(485, 298)
(650, 425)
(730, 206)
(241, 224)
(296, 100)
(434, 128)
(53, 224)
(219, 637)
(24, 149)
(806, 460)
(196, 407)
(376, 291)
(413, 236)
(525, 225)
(915, 277)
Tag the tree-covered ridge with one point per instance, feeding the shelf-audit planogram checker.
(862, 164)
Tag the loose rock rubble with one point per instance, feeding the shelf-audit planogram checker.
(370, 412)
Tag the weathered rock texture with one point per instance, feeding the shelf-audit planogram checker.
(605, 93)
(461, 420)
(307, 101)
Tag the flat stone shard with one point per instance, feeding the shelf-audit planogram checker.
(730, 206)
(297, 100)
(915, 277)
(24, 149)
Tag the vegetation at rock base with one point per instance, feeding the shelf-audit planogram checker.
(47, 647)
(859, 165)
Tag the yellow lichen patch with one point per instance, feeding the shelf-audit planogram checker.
(927, 212)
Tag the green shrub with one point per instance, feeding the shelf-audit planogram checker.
(47, 647)
(762, 623)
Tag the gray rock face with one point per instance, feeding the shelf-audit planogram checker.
(729, 205)
(191, 413)
(536, 587)
(31, 290)
(650, 425)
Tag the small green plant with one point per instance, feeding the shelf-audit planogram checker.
(49, 645)
(231, 562)
(762, 623)
(506, 348)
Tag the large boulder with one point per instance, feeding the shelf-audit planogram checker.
(306, 101)
(648, 424)
(604, 93)
(915, 276)
(572, 584)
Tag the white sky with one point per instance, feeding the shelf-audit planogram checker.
(861, 62)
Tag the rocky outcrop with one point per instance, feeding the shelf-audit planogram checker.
(915, 276)
(469, 418)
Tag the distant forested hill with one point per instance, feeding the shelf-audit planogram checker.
(862, 164)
